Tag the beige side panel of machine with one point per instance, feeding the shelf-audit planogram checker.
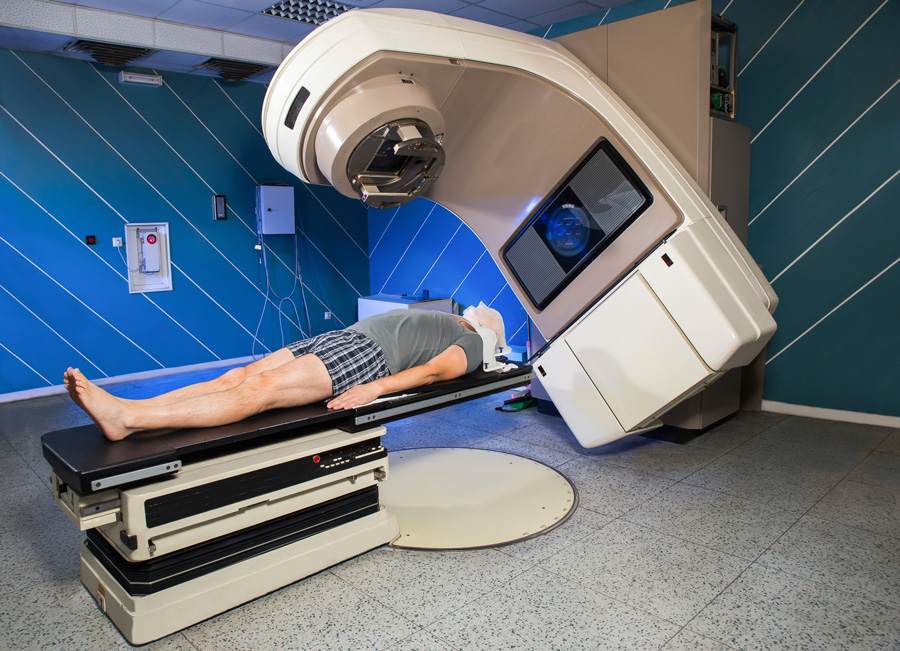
(658, 64)
(532, 147)
(633, 333)
(667, 97)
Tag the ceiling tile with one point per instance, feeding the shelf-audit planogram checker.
(114, 28)
(26, 39)
(525, 8)
(440, 6)
(565, 13)
(272, 27)
(202, 14)
(521, 26)
(256, 6)
(484, 16)
(145, 8)
(172, 36)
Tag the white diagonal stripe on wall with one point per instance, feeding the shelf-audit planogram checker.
(770, 38)
(160, 136)
(26, 364)
(497, 295)
(252, 124)
(233, 318)
(838, 223)
(822, 153)
(208, 130)
(385, 229)
(230, 208)
(335, 219)
(602, 19)
(85, 305)
(726, 7)
(122, 217)
(816, 74)
(403, 255)
(833, 310)
(467, 275)
(102, 259)
(416, 290)
(325, 257)
(255, 182)
(51, 329)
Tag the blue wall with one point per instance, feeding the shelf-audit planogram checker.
(818, 86)
(82, 155)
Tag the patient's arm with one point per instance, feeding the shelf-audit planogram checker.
(448, 365)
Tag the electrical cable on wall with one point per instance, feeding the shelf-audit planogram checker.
(271, 294)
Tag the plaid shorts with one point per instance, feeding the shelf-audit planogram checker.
(350, 357)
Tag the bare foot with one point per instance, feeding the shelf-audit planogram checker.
(105, 410)
(69, 380)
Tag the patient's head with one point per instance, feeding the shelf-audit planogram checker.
(488, 317)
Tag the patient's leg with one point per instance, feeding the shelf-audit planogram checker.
(228, 380)
(301, 381)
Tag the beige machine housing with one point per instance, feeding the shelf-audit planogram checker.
(641, 311)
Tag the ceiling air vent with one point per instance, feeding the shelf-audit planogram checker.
(314, 12)
(109, 54)
(232, 70)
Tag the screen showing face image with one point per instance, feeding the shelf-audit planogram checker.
(589, 210)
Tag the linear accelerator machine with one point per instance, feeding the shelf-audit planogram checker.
(643, 293)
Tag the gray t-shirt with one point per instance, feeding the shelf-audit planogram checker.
(413, 337)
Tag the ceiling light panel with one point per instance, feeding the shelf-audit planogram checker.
(314, 12)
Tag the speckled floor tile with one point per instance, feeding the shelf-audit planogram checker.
(33, 624)
(538, 610)
(424, 586)
(173, 642)
(669, 460)
(39, 416)
(486, 417)
(867, 506)
(729, 524)
(432, 433)
(611, 489)
(318, 613)
(725, 436)
(758, 420)
(666, 576)
(545, 455)
(582, 523)
(818, 437)
(548, 431)
(879, 469)
(766, 609)
(789, 485)
(421, 641)
(847, 558)
(891, 444)
(45, 558)
(15, 472)
(687, 640)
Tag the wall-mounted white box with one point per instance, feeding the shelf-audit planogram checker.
(148, 255)
(275, 209)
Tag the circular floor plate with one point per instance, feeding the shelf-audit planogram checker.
(460, 498)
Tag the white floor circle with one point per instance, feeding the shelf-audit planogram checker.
(461, 498)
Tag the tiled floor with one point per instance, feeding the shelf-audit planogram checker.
(767, 532)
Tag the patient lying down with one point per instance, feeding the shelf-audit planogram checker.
(382, 354)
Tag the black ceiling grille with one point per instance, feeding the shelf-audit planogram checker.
(314, 12)
(109, 54)
(232, 70)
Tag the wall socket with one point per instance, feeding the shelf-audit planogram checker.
(328, 316)
(117, 242)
